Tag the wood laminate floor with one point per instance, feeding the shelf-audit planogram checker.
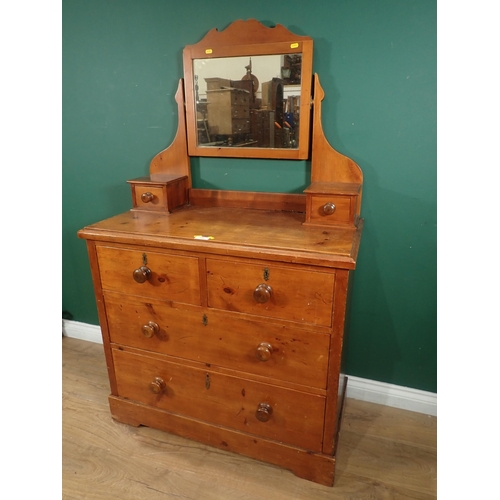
(384, 453)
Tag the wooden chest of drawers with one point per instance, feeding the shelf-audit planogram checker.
(228, 111)
(233, 338)
(223, 313)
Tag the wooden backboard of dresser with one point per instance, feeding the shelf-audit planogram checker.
(223, 313)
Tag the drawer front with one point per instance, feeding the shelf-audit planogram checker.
(280, 414)
(220, 339)
(153, 199)
(332, 209)
(239, 99)
(293, 294)
(170, 277)
(240, 126)
(240, 112)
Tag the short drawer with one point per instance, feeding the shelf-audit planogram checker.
(283, 415)
(239, 98)
(149, 274)
(149, 197)
(332, 209)
(294, 294)
(220, 339)
(240, 112)
(164, 196)
(240, 126)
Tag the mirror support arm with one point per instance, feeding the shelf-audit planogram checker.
(174, 160)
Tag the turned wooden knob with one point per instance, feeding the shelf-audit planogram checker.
(262, 293)
(264, 351)
(329, 208)
(149, 329)
(147, 197)
(157, 386)
(264, 412)
(141, 274)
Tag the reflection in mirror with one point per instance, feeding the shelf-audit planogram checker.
(248, 101)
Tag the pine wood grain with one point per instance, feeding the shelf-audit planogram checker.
(383, 453)
(297, 416)
(248, 199)
(236, 231)
(297, 294)
(183, 333)
(173, 277)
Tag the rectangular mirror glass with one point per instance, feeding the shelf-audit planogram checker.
(250, 102)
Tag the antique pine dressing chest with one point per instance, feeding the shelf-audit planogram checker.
(223, 312)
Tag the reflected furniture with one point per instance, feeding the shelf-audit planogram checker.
(224, 313)
(228, 111)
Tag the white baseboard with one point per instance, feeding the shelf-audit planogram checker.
(82, 331)
(357, 388)
(396, 396)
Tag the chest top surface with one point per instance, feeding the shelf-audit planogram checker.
(276, 235)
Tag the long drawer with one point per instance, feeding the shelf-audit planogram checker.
(284, 415)
(150, 274)
(291, 293)
(219, 338)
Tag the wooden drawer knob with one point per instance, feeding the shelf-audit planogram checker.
(264, 412)
(157, 386)
(262, 293)
(329, 208)
(264, 351)
(149, 329)
(147, 197)
(141, 274)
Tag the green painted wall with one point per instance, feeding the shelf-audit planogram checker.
(377, 64)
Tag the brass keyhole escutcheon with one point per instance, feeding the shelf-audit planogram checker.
(149, 329)
(262, 293)
(264, 351)
(142, 274)
(264, 412)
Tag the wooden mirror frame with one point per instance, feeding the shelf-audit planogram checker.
(250, 38)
